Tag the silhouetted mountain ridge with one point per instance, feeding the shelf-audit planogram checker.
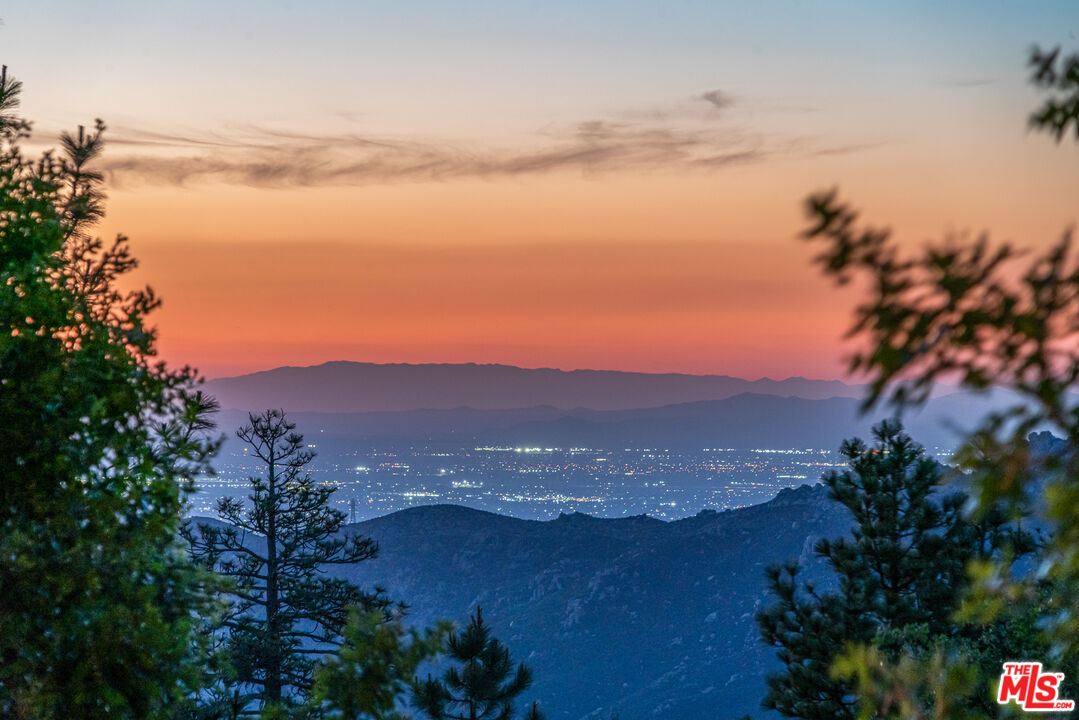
(747, 420)
(635, 615)
(343, 386)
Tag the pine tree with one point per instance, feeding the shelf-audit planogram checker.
(286, 612)
(99, 441)
(982, 315)
(485, 685)
(370, 676)
(901, 573)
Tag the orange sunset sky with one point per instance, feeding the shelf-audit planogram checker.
(605, 185)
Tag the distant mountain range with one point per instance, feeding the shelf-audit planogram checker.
(748, 420)
(345, 402)
(367, 387)
(634, 616)
(645, 618)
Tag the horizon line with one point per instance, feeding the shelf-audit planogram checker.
(763, 378)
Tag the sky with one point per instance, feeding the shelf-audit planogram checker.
(613, 185)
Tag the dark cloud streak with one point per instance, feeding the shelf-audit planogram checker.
(261, 157)
(718, 99)
(287, 159)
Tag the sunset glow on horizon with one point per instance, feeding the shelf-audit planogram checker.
(612, 185)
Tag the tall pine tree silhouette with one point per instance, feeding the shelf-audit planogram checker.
(903, 568)
(286, 612)
(485, 684)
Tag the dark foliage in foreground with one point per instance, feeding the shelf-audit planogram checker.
(901, 574)
(968, 311)
(98, 441)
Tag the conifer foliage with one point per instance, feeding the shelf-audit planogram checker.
(900, 575)
(370, 676)
(286, 612)
(980, 314)
(485, 684)
(98, 442)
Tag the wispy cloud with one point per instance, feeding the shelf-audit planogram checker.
(281, 159)
(263, 157)
(718, 99)
(826, 150)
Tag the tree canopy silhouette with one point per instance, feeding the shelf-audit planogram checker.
(286, 612)
(485, 684)
(984, 315)
(99, 443)
(900, 574)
